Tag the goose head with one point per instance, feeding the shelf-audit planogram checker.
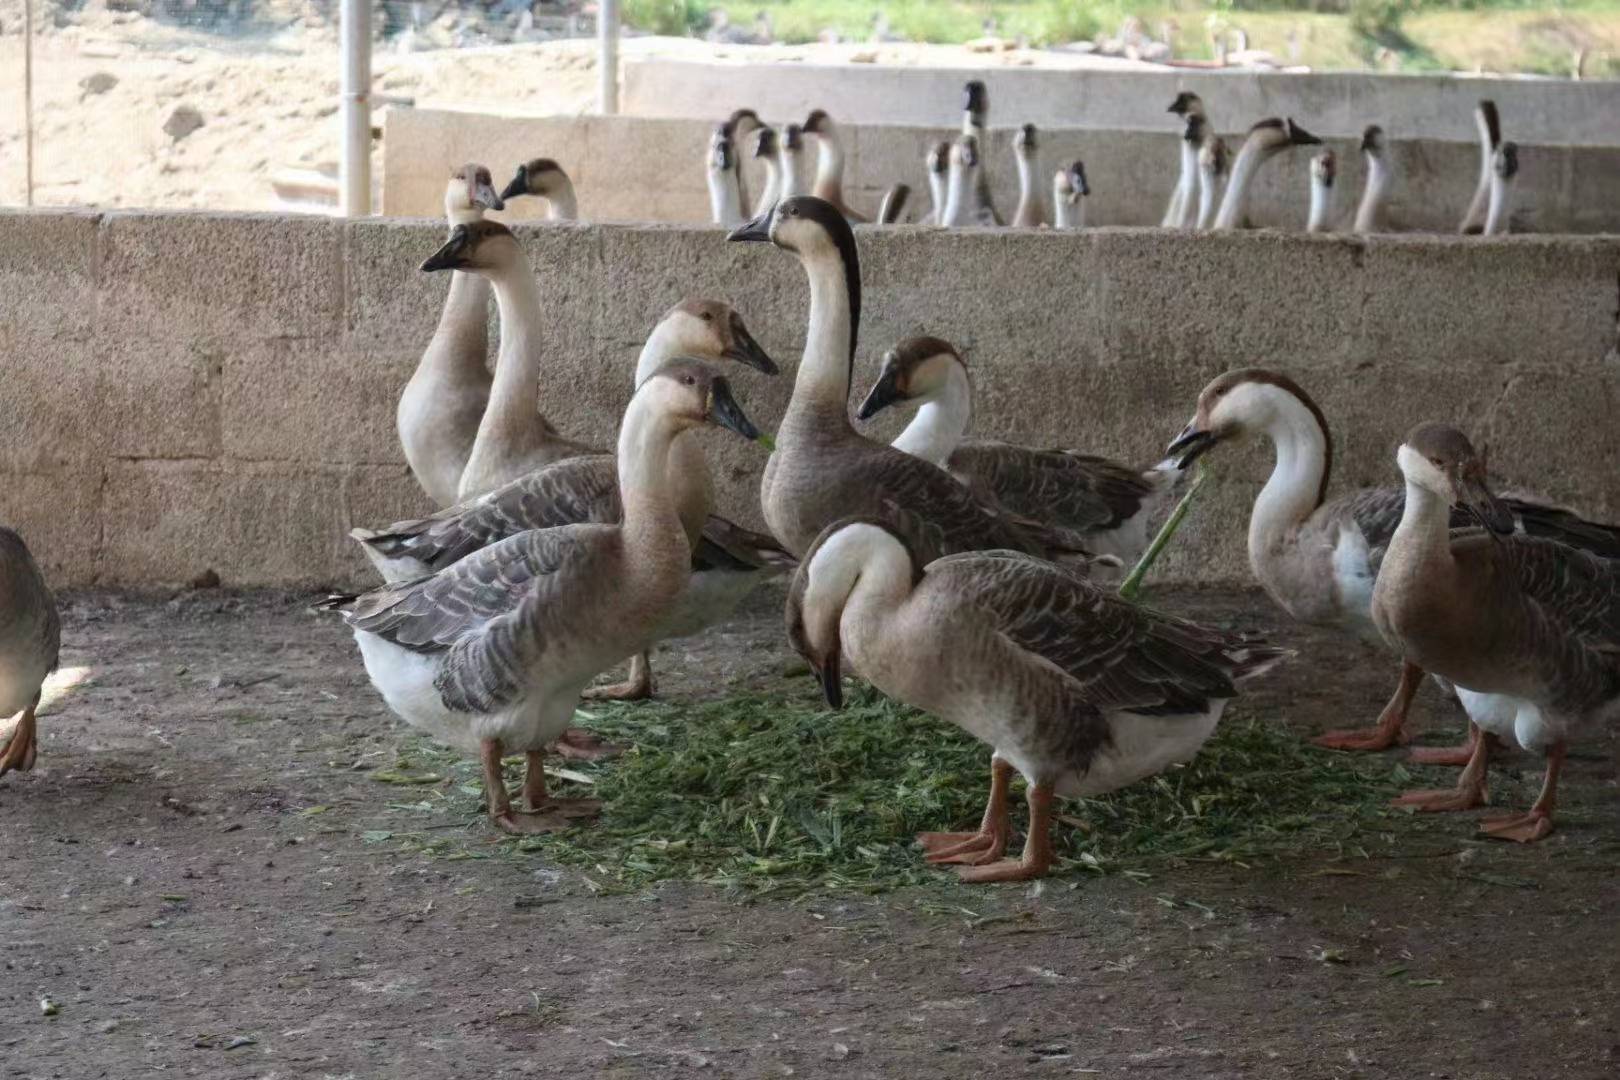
(538, 176)
(975, 102)
(803, 224)
(1070, 184)
(1237, 406)
(918, 369)
(1372, 141)
(721, 158)
(740, 123)
(1273, 135)
(765, 143)
(1187, 103)
(712, 330)
(476, 247)
(1489, 122)
(1025, 142)
(1324, 166)
(469, 193)
(1440, 460)
(692, 394)
(818, 123)
(1505, 162)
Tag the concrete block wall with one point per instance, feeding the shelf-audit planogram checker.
(641, 169)
(1534, 109)
(189, 392)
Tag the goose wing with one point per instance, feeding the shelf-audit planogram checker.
(725, 545)
(1377, 513)
(569, 492)
(495, 613)
(1080, 491)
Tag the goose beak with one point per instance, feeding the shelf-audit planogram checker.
(519, 184)
(1191, 445)
(1300, 137)
(451, 255)
(757, 231)
(884, 392)
(724, 411)
(1477, 500)
(745, 350)
(485, 196)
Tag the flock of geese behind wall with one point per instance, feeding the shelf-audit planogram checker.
(1212, 189)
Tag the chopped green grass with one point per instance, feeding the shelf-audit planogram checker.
(777, 795)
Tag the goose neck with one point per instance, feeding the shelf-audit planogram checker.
(1298, 479)
(1375, 195)
(462, 214)
(941, 421)
(1185, 205)
(562, 205)
(1210, 187)
(829, 168)
(771, 191)
(822, 384)
(1419, 552)
(652, 524)
(1321, 204)
(1496, 213)
(725, 199)
(465, 319)
(958, 189)
(517, 366)
(1249, 159)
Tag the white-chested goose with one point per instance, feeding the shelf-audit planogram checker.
(1372, 211)
(1318, 558)
(1180, 213)
(513, 437)
(442, 404)
(1069, 194)
(30, 645)
(1526, 629)
(720, 168)
(545, 179)
(1214, 165)
(1265, 141)
(491, 654)
(727, 561)
(1079, 691)
(822, 469)
(1108, 504)
(1504, 172)
(1488, 122)
(1324, 170)
(1031, 212)
(981, 206)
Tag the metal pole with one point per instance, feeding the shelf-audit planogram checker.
(28, 102)
(356, 163)
(607, 61)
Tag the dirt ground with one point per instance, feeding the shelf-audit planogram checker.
(185, 876)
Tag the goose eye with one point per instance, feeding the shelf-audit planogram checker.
(708, 316)
(1436, 462)
(688, 380)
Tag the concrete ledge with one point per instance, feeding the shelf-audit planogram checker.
(155, 436)
(645, 169)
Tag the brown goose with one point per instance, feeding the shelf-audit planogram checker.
(1076, 689)
(491, 654)
(30, 644)
(727, 562)
(1318, 558)
(1265, 141)
(1526, 629)
(545, 179)
(1108, 504)
(440, 408)
(822, 469)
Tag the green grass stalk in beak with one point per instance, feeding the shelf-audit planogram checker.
(1132, 585)
(767, 442)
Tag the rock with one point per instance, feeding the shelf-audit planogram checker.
(98, 83)
(182, 122)
(208, 579)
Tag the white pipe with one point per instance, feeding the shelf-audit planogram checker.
(607, 60)
(356, 163)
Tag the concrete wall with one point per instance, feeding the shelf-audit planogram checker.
(189, 391)
(1534, 110)
(640, 169)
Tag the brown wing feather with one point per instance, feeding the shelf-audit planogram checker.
(1078, 491)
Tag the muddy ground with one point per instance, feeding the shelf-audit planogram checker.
(164, 883)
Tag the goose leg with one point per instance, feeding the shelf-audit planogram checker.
(1529, 827)
(990, 842)
(1037, 857)
(1452, 755)
(547, 815)
(638, 687)
(21, 747)
(1388, 731)
(1470, 789)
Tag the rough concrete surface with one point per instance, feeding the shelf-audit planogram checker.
(193, 392)
(638, 169)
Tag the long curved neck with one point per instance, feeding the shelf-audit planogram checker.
(822, 384)
(830, 168)
(1373, 197)
(510, 416)
(561, 205)
(1419, 554)
(659, 349)
(937, 429)
(1211, 183)
(1249, 159)
(1062, 211)
(1496, 216)
(652, 525)
(1184, 204)
(725, 201)
(864, 575)
(959, 187)
(773, 186)
(1297, 481)
(936, 192)
(1029, 196)
(1321, 204)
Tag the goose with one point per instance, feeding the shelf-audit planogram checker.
(765, 151)
(30, 646)
(1526, 629)
(829, 183)
(442, 404)
(728, 562)
(960, 206)
(740, 128)
(491, 654)
(1108, 504)
(1214, 160)
(546, 179)
(1265, 141)
(1031, 212)
(1188, 106)
(1371, 212)
(1079, 691)
(822, 469)
(938, 162)
(1069, 194)
(1488, 122)
(720, 168)
(513, 438)
(791, 155)
(975, 110)
(1503, 174)
(1317, 558)
(893, 203)
(1324, 166)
